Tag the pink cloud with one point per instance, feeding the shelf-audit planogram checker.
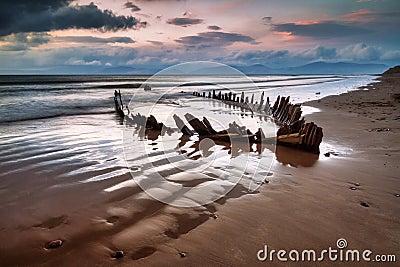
(308, 22)
(363, 15)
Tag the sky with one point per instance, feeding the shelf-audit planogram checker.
(67, 36)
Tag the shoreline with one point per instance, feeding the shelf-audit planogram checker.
(308, 203)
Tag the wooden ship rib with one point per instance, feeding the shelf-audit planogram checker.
(293, 129)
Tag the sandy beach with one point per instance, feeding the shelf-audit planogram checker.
(309, 202)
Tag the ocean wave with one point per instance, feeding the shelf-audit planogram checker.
(50, 116)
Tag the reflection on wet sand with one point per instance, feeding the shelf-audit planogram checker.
(204, 145)
(294, 157)
(283, 154)
(144, 133)
(196, 147)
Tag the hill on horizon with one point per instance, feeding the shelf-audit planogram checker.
(260, 69)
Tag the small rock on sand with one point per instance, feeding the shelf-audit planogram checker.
(353, 188)
(214, 216)
(118, 254)
(328, 154)
(55, 243)
(397, 195)
(364, 204)
(182, 254)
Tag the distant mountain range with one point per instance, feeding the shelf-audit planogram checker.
(317, 68)
(312, 68)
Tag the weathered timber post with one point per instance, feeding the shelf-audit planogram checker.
(276, 104)
(197, 125)
(181, 125)
(267, 108)
(261, 101)
(208, 126)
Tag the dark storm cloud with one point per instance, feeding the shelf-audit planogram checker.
(91, 39)
(132, 6)
(184, 22)
(214, 39)
(23, 41)
(325, 29)
(46, 15)
(214, 28)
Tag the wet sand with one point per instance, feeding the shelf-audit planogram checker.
(308, 203)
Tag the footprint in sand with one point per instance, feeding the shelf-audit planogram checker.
(112, 219)
(52, 222)
(54, 244)
(214, 216)
(118, 254)
(355, 186)
(182, 254)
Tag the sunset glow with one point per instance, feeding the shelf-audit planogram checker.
(156, 34)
